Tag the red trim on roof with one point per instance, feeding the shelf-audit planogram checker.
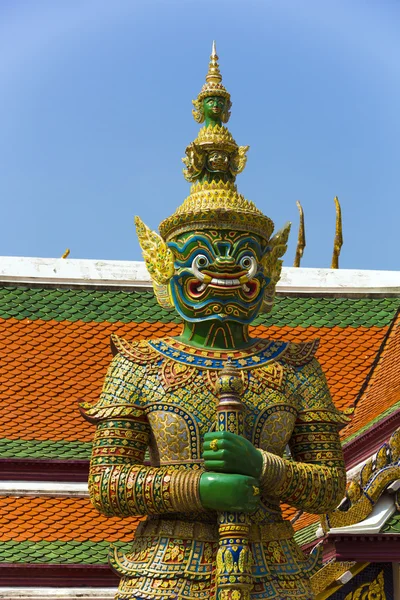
(362, 447)
(43, 469)
(367, 548)
(57, 575)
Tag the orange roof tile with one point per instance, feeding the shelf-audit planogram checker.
(67, 519)
(50, 366)
(304, 520)
(383, 387)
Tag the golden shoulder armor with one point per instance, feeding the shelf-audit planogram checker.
(138, 352)
(299, 354)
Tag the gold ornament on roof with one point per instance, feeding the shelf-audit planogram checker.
(212, 87)
(372, 590)
(338, 241)
(301, 239)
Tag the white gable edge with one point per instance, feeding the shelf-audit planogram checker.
(133, 274)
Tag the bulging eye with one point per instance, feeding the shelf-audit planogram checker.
(247, 262)
(200, 261)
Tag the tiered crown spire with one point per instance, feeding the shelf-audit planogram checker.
(213, 160)
(213, 156)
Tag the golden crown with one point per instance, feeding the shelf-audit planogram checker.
(216, 204)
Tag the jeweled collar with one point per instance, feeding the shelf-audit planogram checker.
(260, 353)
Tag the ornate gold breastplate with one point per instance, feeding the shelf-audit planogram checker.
(180, 398)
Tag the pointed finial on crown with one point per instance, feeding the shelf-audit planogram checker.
(212, 87)
(214, 74)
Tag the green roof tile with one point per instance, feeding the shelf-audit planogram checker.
(307, 534)
(138, 306)
(90, 553)
(392, 525)
(38, 449)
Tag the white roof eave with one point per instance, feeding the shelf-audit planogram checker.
(133, 274)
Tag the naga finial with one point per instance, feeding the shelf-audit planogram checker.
(301, 239)
(338, 241)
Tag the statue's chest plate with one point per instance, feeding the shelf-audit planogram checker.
(181, 405)
(270, 410)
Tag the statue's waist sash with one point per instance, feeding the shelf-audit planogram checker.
(208, 532)
(173, 558)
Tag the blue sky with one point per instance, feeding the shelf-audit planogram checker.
(95, 115)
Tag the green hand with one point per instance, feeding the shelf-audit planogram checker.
(226, 492)
(226, 452)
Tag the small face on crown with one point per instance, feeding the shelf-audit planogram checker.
(218, 275)
(217, 161)
(214, 108)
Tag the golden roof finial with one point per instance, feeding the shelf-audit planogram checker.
(301, 240)
(338, 242)
(66, 253)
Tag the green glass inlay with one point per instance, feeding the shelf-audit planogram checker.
(48, 449)
(76, 553)
(139, 306)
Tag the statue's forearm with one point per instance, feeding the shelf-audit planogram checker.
(119, 483)
(315, 480)
(311, 487)
(124, 490)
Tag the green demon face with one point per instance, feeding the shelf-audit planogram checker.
(218, 275)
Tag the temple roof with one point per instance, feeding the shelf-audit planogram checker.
(381, 391)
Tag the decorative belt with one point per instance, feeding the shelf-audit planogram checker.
(208, 532)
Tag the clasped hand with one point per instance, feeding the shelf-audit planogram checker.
(233, 468)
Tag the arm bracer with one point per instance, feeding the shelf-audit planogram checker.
(121, 485)
(315, 480)
(119, 482)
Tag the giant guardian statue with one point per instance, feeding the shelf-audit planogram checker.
(215, 408)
